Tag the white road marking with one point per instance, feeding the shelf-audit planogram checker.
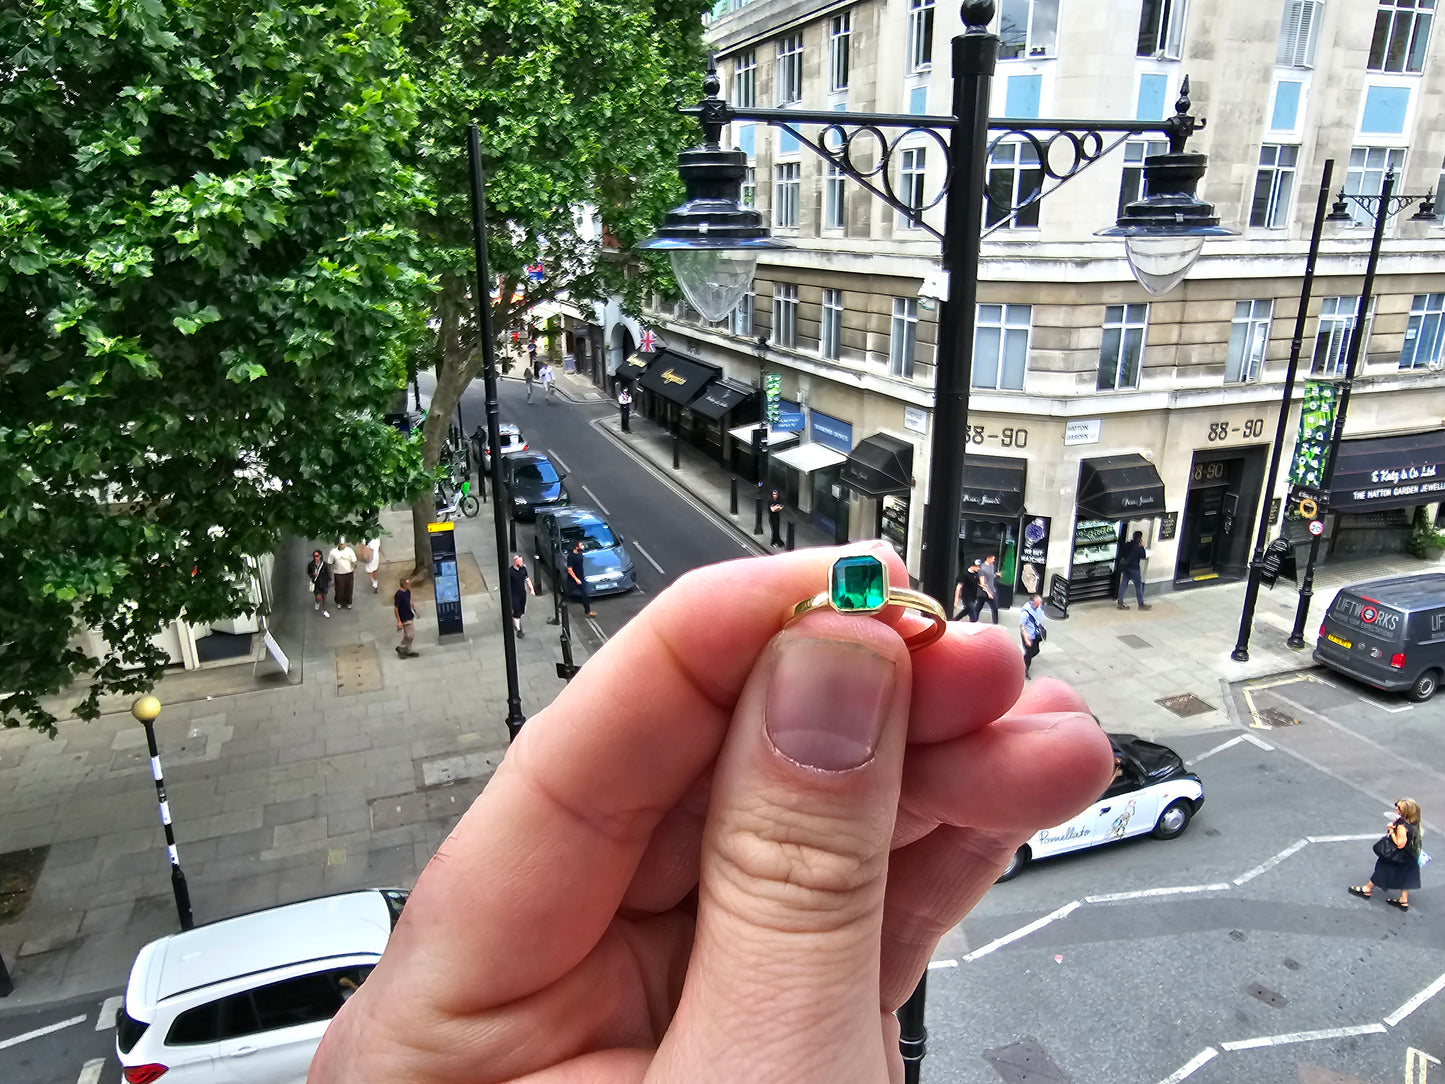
(108, 1008)
(1269, 863)
(38, 1032)
(555, 458)
(1145, 893)
(1259, 742)
(1023, 931)
(1304, 1037)
(936, 965)
(597, 629)
(595, 501)
(638, 547)
(1415, 1002)
(1342, 839)
(1200, 1059)
(90, 1071)
(1217, 749)
(1393, 711)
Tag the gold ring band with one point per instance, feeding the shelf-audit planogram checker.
(858, 584)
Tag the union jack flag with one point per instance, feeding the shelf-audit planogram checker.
(649, 342)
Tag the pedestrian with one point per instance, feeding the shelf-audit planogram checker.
(965, 596)
(775, 517)
(318, 575)
(342, 560)
(577, 573)
(549, 379)
(1129, 558)
(529, 377)
(624, 404)
(1397, 857)
(405, 619)
(1031, 630)
(372, 557)
(521, 588)
(988, 586)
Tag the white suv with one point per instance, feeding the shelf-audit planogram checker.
(247, 999)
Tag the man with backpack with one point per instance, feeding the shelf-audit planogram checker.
(1032, 630)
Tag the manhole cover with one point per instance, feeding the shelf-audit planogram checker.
(1130, 640)
(1275, 718)
(1025, 1062)
(1185, 705)
(19, 870)
(1265, 994)
(358, 670)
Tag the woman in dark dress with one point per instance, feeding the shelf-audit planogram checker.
(318, 574)
(1402, 870)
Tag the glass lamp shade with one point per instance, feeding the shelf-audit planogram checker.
(1160, 261)
(714, 279)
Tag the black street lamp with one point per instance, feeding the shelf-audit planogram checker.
(714, 242)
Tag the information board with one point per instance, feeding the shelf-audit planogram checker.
(445, 580)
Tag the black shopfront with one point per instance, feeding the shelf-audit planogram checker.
(1115, 493)
(880, 468)
(991, 521)
(671, 383)
(1217, 529)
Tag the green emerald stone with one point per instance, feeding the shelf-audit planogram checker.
(858, 584)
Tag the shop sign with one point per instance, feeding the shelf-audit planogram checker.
(1059, 594)
(1316, 428)
(1033, 554)
(788, 421)
(1087, 431)
(916, 419)
(1168, 524)
(832, 433)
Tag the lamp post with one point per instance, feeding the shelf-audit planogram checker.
(714, 242)
(146, 709)
(1379, 208)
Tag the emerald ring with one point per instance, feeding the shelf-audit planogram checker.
(858, 584)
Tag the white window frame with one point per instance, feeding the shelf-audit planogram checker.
(1131, 323)
(997, 329)
(1007, 157)
(1248, 340)
(1392, 19)
(1026, 44)
(912, 166)
(903, 337)
(741, 318)
(830, 327)
(835, 197)
(1426, 329)
(1366, 177)
(745, 80)
(787, 194)
(920, 35)
(1332, 340)
(750, 186)
(840, 33)
(789, 71)
(1165, 41)
(1278, 163)
(785, 315)
(1299, 33)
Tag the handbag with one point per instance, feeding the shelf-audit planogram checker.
(363, 551)
(1385, 849)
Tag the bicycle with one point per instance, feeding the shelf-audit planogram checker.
(452, 498)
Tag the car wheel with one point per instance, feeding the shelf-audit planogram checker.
(1425, 686)
(1015, 865)
(1174, 820)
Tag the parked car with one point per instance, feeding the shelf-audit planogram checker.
(1151, 794)
(1388, 633)
(508, 434)
(532, 483)
(605, 560)
(248, 998)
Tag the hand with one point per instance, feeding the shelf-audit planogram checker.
(656, 883)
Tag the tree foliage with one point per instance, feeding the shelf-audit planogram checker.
(209, 283)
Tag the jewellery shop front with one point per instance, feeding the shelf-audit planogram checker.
(991, 523)
(880, 470)
(1117, 495)
(1378, 484)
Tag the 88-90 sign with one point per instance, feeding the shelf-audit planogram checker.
(1007, 438)
(1252, 428)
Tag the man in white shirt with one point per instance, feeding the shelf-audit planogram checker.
(624, 404)
(374, 561)
(1031, 630)
(342, 560)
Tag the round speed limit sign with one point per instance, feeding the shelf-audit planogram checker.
(1317, 527)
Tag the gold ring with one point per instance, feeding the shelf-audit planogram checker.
(858, 584)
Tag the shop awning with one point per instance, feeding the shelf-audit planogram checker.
(880, 465)
(675, 377)
(636, 365)
(719, 397)
(743, 434)
(806, 458)
(1120, 487)
(993, 487)
(1382, 473)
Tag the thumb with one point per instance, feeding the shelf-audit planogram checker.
(783, 979)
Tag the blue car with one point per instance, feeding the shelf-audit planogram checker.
(605, 560)
(532, 484)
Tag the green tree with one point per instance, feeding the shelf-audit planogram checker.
(209, 285)
(575, 100)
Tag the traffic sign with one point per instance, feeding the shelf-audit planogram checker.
(1317, 527)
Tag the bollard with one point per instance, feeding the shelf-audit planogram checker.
(790, 535)
(512, 537)
(733, 496)
(7, 987)
(146, 709)
(758, 514)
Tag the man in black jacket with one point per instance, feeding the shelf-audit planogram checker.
(1129, 558)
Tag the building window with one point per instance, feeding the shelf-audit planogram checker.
(1299, 33)
(830, 334)
(920, 34)
(785, 315)
(1001, 347)
(1423, 333)
(742, 316)
(834, 196)
(1248, 337)
(1122, 352)
(745, 80)
(750, 187)
(790, 69)
(786, 188)
(1366, 177)
(903, 341)
(1402, 30)
(1027, 28)
(1014, 177)
(840, 30)
(910, 187)
(1273, 187)
(1135, 151)
(1332, 338)
(1161, 29)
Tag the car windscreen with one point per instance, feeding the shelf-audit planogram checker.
(535, 470)
(1365, 615)
(593, 536)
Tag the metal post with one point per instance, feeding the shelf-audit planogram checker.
(733, 496)
(512, 532)
(1251, 590)
(791, 538)
(1367, 289)
(500, 518)
(676, 424)
(146, 709)
(7, 985)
